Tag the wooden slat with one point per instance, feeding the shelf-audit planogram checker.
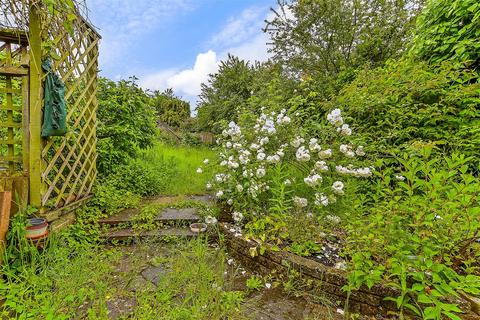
(13, 71)
(2, 142)
(11, 158)
(14, 35)
(10, 90)
(10, 125)
(10, 107)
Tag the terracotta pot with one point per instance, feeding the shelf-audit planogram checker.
(37, 228)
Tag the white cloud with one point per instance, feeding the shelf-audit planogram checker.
(241, 36)
(121, 22)
(239, 29)
(189, 81)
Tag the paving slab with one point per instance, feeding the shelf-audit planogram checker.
(166, 215)
(154, 273)
(124, 234)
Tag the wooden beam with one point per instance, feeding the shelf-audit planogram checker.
(14, 36)
(35, 126)
(13, 71)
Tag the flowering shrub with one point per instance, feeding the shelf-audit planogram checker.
(314, 170)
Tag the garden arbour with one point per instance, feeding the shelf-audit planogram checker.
(57, 173)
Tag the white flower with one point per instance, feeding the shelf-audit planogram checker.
(209, 186)
(268, 285)
(264, 141)
(300, 202)
(233, 164)
(400, 177)
(360, 152)
(273, 159)
(321, 166)
(228, 145)
(237, 216)
(313, 145)
(233, 130)
(333, 219)
(287, 182)
(321, 199)
(297, 142)
(337, 187)
(325, 154)
(229, 261)
(199, 170)
(345, 130)
(219, 194)
(239, 188)
(342, 266)
(335, 117)
(237, 146)
(347, 150)
(206, 161)
(230, 202)
(302, 154)
(260, 173)
(254, 146)
(210, 220)
(340, 311)
(223, 163)
(261, 156)
(313, 180)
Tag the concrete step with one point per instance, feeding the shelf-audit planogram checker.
(169, 215)
(129, 233)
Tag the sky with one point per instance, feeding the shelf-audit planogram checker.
(177, 43)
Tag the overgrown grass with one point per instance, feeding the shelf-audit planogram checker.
(185, 161)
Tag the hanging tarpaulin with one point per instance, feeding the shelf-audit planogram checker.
(55, 112)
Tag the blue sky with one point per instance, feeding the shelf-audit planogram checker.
(177, 43)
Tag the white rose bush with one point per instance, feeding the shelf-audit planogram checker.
(271, 153)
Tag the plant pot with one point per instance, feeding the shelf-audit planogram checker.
(198, 227)
(37, 228)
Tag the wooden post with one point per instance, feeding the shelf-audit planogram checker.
(35, 117)
(5, 206)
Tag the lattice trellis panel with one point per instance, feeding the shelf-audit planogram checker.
(13, 105)
(61, 170)
(69, 163)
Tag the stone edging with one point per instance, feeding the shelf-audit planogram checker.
(366, 301)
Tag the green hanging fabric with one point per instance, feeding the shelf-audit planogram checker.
(55, 112)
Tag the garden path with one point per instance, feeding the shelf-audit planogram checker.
(145, 262)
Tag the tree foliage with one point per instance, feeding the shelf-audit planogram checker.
(449, 30)
(324, 37)
(126, 122)
(224, 92)
(170, 109)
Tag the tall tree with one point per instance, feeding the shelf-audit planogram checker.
(324, 37)
(170, 109)
(224, 92)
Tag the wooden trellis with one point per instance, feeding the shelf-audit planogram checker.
(60, 170)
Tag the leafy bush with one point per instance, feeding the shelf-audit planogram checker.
(126, 123)
(407, 102)
(143, 178)
(419, 233)
(449, 30)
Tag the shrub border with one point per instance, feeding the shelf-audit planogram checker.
(329, 280)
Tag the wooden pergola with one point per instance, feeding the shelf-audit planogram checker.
(55, 174)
